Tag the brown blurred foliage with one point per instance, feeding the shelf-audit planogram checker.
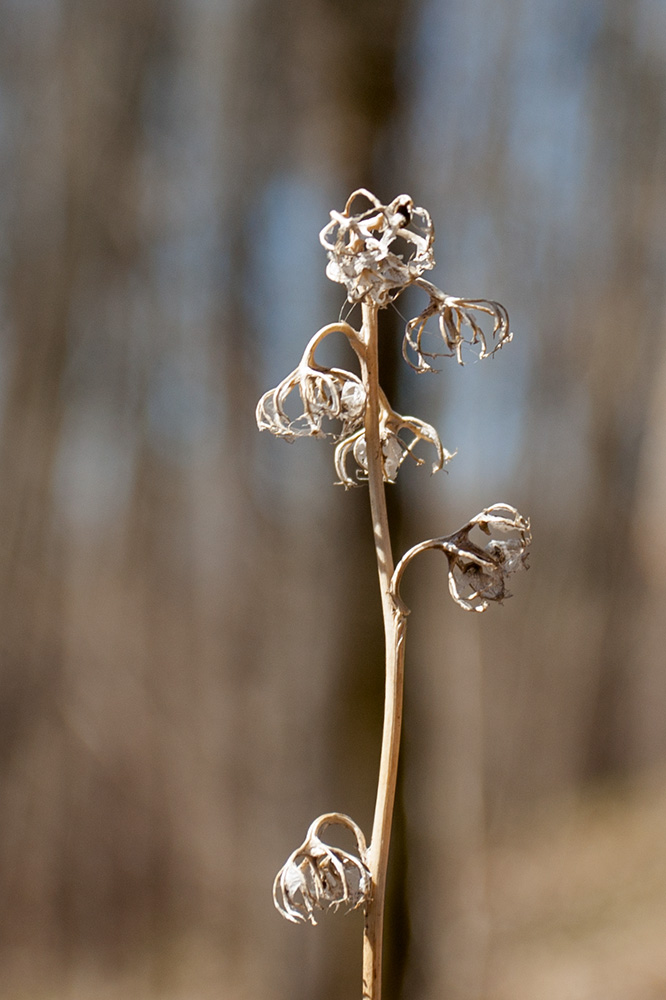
(190, 661)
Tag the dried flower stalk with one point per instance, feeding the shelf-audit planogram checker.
(377, 251)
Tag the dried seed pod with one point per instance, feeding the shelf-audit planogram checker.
(317, 876)
(378, 251)
(478, 575)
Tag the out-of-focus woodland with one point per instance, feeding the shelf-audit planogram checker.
(190, 643)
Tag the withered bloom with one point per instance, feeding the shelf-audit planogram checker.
(460, 322)
(478, 574)
(375, 253)
(317, 876)
(395, 448)
(325, 394)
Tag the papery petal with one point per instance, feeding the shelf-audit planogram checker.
(393, 454)
(353, 399)
(342, 451)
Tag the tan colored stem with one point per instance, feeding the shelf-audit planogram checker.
(394, 633)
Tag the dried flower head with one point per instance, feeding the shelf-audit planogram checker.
(378, 251)
(318, 876)
(325, 394)
(394, 447)
(478, 575)
(456, 317)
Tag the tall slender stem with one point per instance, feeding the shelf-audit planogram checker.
(394, 633)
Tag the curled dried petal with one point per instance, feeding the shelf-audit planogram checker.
(420, 431)
(478, 575)
(271, 415)
(378, 250)
(460, 322)
(354, 445)
(318, 876)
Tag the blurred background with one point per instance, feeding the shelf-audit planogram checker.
(190, 637)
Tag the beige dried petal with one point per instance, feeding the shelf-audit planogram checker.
(421, 431)
(352, 398)
(393, 454)
(343, 449)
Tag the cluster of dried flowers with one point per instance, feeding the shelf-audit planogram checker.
(331, 394)
(363, 251)
(378, 251)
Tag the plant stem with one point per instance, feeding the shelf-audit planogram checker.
(394, 634)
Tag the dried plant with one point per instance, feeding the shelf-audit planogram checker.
(377, 251)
